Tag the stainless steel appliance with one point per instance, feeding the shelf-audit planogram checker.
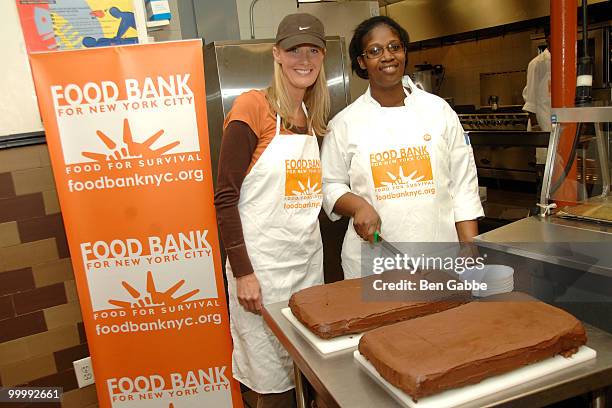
(428, 77)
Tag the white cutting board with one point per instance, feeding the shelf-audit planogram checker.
(323, 346)
(458, 396)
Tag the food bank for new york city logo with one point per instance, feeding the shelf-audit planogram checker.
(302, 177)
(401, 167)
(160, 99)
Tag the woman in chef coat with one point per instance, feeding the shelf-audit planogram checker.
(268, 199)
(396, 161)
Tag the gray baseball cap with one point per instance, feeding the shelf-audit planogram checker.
(300, 28)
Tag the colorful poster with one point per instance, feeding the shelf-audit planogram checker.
(127, 133)
(73, 24)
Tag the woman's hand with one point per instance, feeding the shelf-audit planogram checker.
(365, 218)
(366, 221)
(249, 293)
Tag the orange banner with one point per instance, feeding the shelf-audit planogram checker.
(127, 133)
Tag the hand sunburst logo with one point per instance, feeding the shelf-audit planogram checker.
(400, 179)
(307, 189)
(152, 297)
(129, 149)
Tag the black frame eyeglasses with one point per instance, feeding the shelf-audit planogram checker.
(377, 52)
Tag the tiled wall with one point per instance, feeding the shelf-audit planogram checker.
(41, 329)
(464, 62)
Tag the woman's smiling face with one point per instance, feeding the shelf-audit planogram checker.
(300, 65)
(386, 70)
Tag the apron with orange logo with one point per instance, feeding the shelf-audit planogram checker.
(402, 168)
(279, 205)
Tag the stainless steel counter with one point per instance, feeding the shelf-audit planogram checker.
(340, 382)
(573, 244)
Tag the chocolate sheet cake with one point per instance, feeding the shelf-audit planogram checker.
(469, 343)
(339, 308)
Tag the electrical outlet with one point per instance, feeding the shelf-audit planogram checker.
(84, 372)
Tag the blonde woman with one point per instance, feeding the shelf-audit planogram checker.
(268, 200)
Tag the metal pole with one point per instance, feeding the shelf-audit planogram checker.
(251, 18)
(553, 142)
(300, 395)
(563, 27)
(602, 152)
(563, 19)
(599, 399)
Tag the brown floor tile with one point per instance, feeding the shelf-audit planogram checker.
(16, 281)
(80, 398)
(53, 340)
(40, 298)
(45, 405)
(7, 310)
(62, 246)
(13, 351)
(28, 254)
(51, 201)
(43, 153)
(21, 207)
(48, 273)
(33, 180)
(66, 379)
(47, 342)
(71, 291)
(57, 316)
(9, 234)
(82, 335)
(64, 358)
(20, 158)
(18, 404)
(49, 226)
(28, 370)
(7, 189)
(21, 326)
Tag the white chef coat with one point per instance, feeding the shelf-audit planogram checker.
(537, 91)
(413, 164)
(537, 96)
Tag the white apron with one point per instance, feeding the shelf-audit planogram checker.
(279, 205)
(402, 168)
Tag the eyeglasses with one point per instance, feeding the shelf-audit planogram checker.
(377, 52)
